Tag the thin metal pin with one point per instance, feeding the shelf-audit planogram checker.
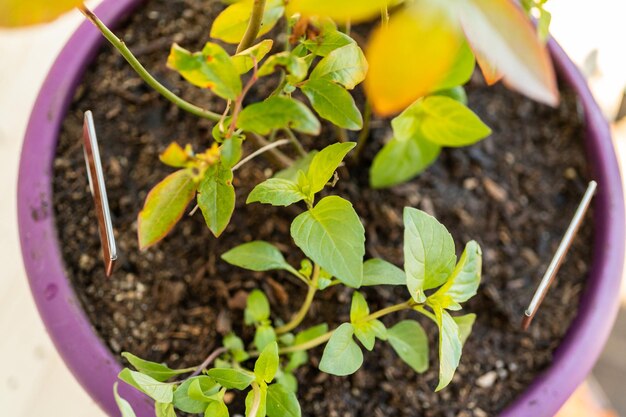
(559, 256)
(99, 193)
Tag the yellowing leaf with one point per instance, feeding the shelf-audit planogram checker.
(164, 207)
(339, 10)
(410, 58)
(212, 68)
(15, 13)
(174, 156)
(231, 24)
(244, 60)
(505, 41)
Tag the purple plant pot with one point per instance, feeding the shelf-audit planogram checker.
(96, 368)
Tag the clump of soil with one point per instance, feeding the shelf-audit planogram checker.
(514, 193)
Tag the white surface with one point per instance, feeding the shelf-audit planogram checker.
(33, 380)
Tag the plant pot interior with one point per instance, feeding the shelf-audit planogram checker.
(514, 193)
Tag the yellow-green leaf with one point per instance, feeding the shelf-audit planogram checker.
(296, 67)
(231, 24)
(332, 102)
(175, 156)
(216, 198)
(346, 66)
(339, 10)
(212, 68)
(410, 58)
(16, 13)
(278, 112)
(244, 60)
(164, 207)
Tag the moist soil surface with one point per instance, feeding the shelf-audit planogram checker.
(514, 193)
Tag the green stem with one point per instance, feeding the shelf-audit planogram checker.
(392, 309)
(143, 73)
(296, 143)
(341, 134)
(256, 402)
(422, 309)
(365, 132)
(254, 25)
(306, 306)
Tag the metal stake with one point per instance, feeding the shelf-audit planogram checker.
(99, 193)
(559, 256)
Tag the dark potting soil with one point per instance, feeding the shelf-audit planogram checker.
(513, 192)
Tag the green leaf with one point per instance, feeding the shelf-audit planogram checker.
(230, 152)
(203, 389)
(277, 192)
(380, 272)
(295, 66)
(244, 61)
(158, 391)
(327, 42)
(368, 331)
(288, 381)
(342, 356)
(461, 71)
(429, 255)
(235, 346)
(152, 369)
(401, 160)
(231, 24)
(299, 358)
(263, 401)
(332, 102)
(216, 409)
(455, 93)
(216, 198)
(164, 207)
(276, 113)
(281, 402)
(346, 65)
(231, 378)
(125, 408)
(331, 234)
(463, 283)
(212, 68)
(449, 346)
(257, 308)
(264, 335)
(410, 342)
(447, 122)
(301, 164)
(257, 256)
(266, 366)
(325, 163)
(182, 399)
(359, 308)
(465, 324)
(164, 409)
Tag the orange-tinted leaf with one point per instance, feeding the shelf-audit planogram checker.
(410, 58)
(15, 13)
(164, 207)
(340, 11)
(490, 73)
(501, 34)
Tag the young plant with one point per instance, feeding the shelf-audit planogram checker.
(436, 283)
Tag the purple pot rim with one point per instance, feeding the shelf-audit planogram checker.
(96, 368)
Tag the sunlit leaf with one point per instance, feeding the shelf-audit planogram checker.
(15, 13)
(295, 66)
(231, 24)
(464, 280)
(212, 68)
(158, 391)
(266, 365)
(338, 10)
(346, 66)
(327, 42)
(276, 113)
(332, 102)
(244, 61)
(503, 36)
(164, 207)
(410, 58)
(325, 163)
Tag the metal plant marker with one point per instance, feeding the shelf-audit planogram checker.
(99, 193)
(559, 256)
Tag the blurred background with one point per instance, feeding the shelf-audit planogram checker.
(33, 377)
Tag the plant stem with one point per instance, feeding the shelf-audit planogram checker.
(214, 355)
(256, 402)
(392, 309)
(294, 140)
(365, 132)
(143, 73)
(342, 135)
(276, 157)
(239, 102)
(301, 314)
(259, 151)
(254, 25)
(425, 312)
